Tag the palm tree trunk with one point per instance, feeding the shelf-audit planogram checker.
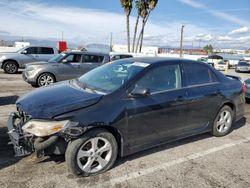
(128, 33)
(137, 44)
(135, 32)
(140, 38)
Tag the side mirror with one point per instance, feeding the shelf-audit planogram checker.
(24, 52)
(139, 92)
(64, 61)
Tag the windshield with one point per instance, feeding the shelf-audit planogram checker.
(111, 76)
(243, 63)
(21, 49)
(221, 63)
(57, 58)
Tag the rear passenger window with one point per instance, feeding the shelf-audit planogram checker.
(199, 74)
(92, 58)
(47, 50)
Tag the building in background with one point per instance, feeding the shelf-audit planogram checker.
(21, 44)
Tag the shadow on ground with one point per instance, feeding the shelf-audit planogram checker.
(7, 157)
(8, 100)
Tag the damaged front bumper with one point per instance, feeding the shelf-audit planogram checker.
(21, 143)
(26, 143)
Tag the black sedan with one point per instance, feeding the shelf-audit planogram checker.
(124, 107)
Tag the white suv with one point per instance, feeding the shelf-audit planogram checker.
(10, 62)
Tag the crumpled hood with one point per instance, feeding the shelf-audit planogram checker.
(47, 102)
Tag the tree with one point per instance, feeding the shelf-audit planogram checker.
(139, 6)
(127, 6)
(208, 48)
(147, 7)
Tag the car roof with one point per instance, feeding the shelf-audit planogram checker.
(39, 46)
(86, 52)
(154, 60)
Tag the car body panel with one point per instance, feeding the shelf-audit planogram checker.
(140, 122)
(63, 71)
(57, 98)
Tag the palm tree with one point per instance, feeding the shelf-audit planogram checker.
(148, 7)
(139, 6)
(127, 6)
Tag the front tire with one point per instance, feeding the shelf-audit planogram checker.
(45, 79)
(10, 67)
(223, 122)
(92, 154)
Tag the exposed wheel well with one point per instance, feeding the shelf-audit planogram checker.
(115, 133)
(12, 60)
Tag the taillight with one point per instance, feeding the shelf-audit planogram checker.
(244, 89)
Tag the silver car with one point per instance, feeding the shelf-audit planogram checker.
(64, 66)
(243, 66)
(10, 62)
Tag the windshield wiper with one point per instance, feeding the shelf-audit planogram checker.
(85, 86)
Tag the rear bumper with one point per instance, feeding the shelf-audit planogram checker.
(21, 144)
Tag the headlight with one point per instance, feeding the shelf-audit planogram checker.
(30, 68)
(42, 128)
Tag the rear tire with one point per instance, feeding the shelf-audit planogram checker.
(10, 67)
(223, 121)
(84, 157)
(45, 79)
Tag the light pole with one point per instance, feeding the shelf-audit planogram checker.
(182, 28)
(111, 42)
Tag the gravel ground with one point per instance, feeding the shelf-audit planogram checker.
(200, 161)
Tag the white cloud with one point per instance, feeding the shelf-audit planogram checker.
(224, 38)
(239, 31)
(192, 3)
(81, 25)
(204, 37)
(26, 18)
(219, 14)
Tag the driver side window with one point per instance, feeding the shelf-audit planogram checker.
(73, 58)
(32, 50)
(161, 78)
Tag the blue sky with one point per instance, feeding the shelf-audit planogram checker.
(223, 23)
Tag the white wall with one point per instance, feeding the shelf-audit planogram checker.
(8, 49)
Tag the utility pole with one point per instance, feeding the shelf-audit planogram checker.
(62, 35)
(182, 28)
(111, 42)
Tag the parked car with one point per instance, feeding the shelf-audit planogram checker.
(243, 66)
(120, 56)
(247, 84)
(64, 66)
(221, 66)
(10, 62)
(124, 107)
